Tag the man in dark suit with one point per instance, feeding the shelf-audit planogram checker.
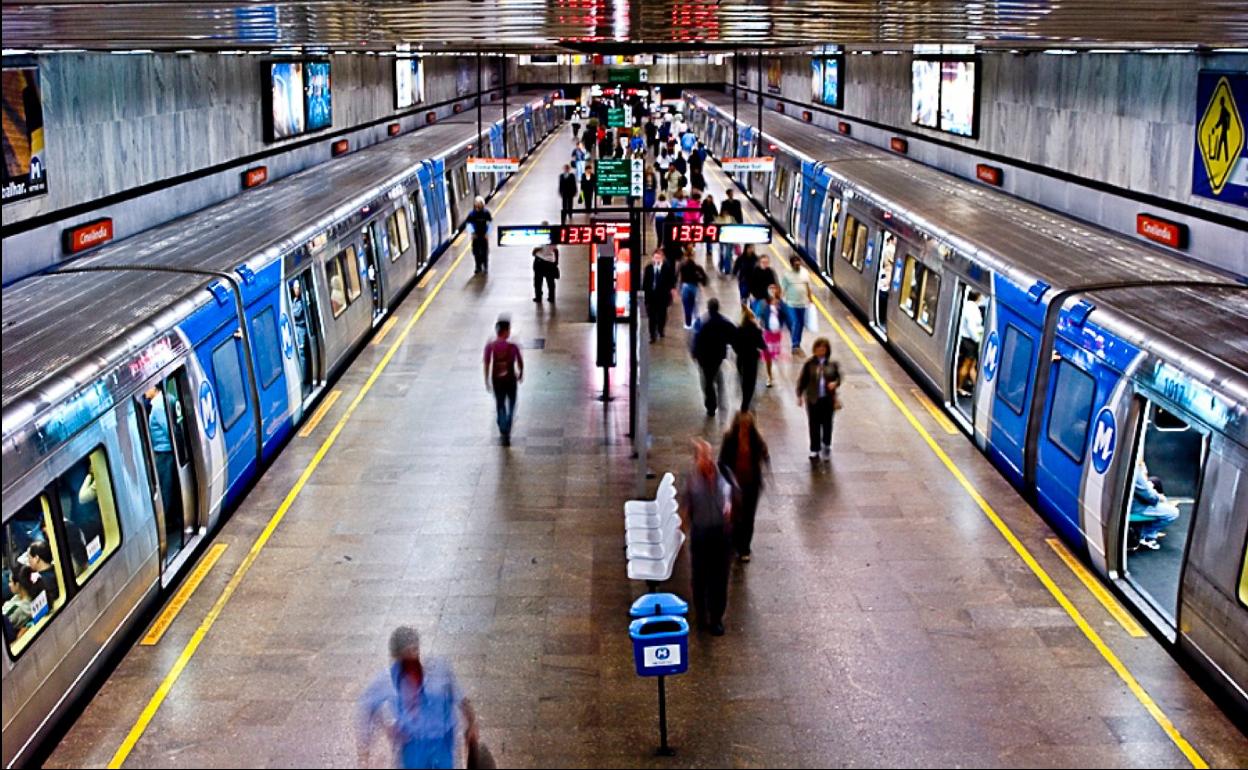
(711, 338)
(658, 283)
(567, 192)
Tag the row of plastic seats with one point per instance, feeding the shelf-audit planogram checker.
(653, 535)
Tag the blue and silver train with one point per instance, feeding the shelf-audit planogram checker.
(1105, 378)
(147, 385)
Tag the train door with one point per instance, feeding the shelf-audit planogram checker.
(1008, 366)
(833, 228)
(970, 310)
(376, 247)
(452, 195)
(417, 218)
(795, 206)
(305, 315)
(1168, 465)
(165, 408)
(883, 282)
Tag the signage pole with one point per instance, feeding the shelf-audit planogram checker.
(736, 90)
(760, 103)
(503, 77)
(634, 317)
(479, 149)
(664, 749)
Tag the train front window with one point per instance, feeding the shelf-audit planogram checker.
(33, 585)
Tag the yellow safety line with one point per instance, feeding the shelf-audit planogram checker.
(1023, 553)
(162, 692)
(1097, 589)
(862, 330)
(183, 595)
(936, 412)
(384, 330)
(319, 414)
(424, 281)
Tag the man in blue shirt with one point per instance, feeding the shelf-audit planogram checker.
(162, 448)
(422, 697)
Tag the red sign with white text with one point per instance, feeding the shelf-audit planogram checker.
(899, 145)
(989, 174)
(88, 236)
(255, 176)
(1172, 234)
(843, 128)
(340, 147)
(393, 129)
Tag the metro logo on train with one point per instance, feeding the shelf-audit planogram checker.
(1104, 439)
(992, 351)
(207, 410)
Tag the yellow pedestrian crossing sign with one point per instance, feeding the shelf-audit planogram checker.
(1220, 138)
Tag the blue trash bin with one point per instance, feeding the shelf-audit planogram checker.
(660, 645)
(658, 604)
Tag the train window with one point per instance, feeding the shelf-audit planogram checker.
(268, 348)
(931, 299)
(1015, 369)
(1243, 578)
(1071, 413)
(228, 372)
(351, 272)
(861, 237)
(89, 510)
(910, 285)
(398, 244)
(782, 182)
(33, 585)
(337, 295)
(401, 226)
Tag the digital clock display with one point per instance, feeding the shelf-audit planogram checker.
(680, 232)
(597, 232)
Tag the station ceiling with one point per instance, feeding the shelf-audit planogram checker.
(619, 25)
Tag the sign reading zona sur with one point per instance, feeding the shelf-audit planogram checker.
(763, 165)
(493, 165)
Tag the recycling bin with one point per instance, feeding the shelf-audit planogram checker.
(660, 645)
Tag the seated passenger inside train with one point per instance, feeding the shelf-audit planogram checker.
(20, 590)
(1151, 512)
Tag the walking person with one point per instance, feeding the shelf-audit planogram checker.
(816, 390)
(710, 214)
(706, 497)
(711, 339)
(798, 297)
(479, 224)
(658, 283)
(417, 703)
(743, 456)
(588, 182)
(545, 268)
(504, 369)
(660, 217)
(749, 347)
(773, 317)
(743, 269)
(691, 276)
(579, 158)
(762, 278)
(652, 135)
(567, 193)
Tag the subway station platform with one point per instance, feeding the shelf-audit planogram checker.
(887, 618)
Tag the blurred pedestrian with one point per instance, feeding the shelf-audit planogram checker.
(773, 317)
(817, 387)
(742, 458)
(743, 269)
(417, 703)
(545, 268)
(711, 339)
(504, 369)
(710, 215)
(749, 347)
(691, 276)
(479, 225)
(588, 182)
(567, 192)
(707, 495)
(762, 278)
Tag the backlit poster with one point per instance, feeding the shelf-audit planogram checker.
(775, 67)
(816, 80)
(743, 71)
(925, 93)
(409, 83)
(318, 96)
(25, 162)
(957, 97)
(286, 96)
(463, 76)
(832, 82)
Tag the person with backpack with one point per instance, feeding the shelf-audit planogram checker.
(504, 369)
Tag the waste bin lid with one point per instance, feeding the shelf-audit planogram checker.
(658, 604)
(658, 627)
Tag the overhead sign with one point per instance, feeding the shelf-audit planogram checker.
(745, 234)
(683, 232)
(620, 176)
(565, 102)
(595, 232)
(616, 117)
(524, 235)
(1163, 231)
(1220, 169)
(762, 165)
(88, 236)
(493, 165)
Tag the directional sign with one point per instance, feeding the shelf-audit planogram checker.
(615, 176)
(493, 165)
(1221, 170)
(763, 165)
(566, 102)
(616, 117)
(636, 176)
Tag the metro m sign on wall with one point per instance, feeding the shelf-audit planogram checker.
(88, 236)
(1165, 232)
(763, 165)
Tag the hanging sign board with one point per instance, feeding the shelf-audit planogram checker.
(493, 165)
(565, 102)
(762, 165)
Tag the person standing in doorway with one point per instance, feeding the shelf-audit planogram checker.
(504, 369)
(545, 268)
(816, 390)
(567, 193)
(417, 703)
(711, 339)
(797, 295)
(749, 347)
(742, 458)
(479, 226)
(658, 283)
(706, 497)
(588, 182)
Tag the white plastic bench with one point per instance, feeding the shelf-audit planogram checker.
(660, 569)
(652, 534)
